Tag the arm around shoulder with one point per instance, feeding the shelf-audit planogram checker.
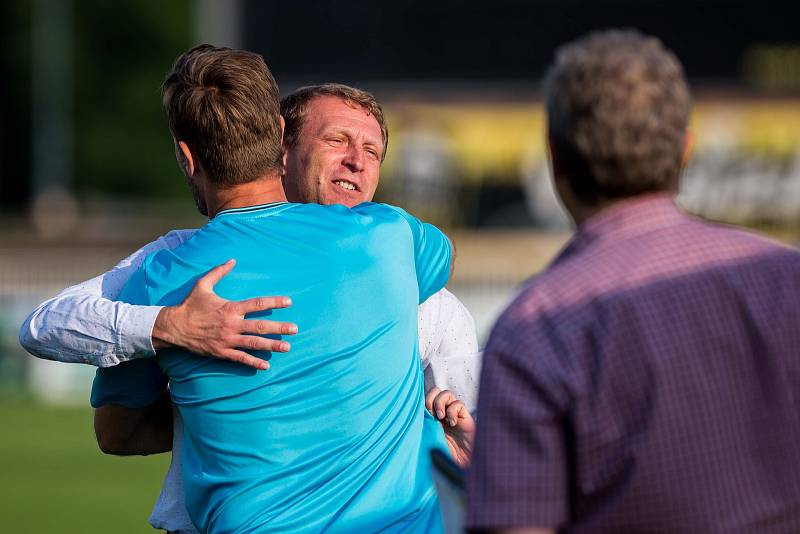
(86, 324)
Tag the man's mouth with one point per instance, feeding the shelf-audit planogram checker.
(344, 184)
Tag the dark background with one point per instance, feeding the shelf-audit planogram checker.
(499, 41)
(465, 49)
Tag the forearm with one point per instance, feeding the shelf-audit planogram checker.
(85, 323)
(164, 333)
(78, 327)
(126, 431)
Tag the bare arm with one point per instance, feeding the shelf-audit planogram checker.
(127, 431)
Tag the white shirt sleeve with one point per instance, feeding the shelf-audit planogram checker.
(449, 347)
(84, 324)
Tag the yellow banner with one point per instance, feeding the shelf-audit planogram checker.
(497, 140)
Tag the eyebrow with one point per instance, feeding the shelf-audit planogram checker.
(349, 132)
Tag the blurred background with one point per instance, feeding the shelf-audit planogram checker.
(87, 170)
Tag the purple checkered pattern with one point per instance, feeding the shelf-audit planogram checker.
(647, 381)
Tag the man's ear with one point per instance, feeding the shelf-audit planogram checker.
(284, 155)
(185, 158)
(283, 126)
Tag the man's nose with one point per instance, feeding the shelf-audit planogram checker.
(354, 159)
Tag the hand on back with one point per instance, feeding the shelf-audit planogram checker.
(209, 325)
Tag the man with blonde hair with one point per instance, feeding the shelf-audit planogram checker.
(205, 323)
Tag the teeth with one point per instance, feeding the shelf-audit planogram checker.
(345, 185)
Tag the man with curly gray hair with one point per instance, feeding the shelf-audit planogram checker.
(647, 380)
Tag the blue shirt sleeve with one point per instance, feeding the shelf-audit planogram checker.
(433, 255)
(136, 383)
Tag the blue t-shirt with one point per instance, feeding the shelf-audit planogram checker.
(335, 435)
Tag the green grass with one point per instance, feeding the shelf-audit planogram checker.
(53, 478)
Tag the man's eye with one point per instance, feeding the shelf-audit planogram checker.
(335, 140)
(372, 152)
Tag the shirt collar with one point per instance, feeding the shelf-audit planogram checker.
(632, 216)
(626, 218)
(249, 209)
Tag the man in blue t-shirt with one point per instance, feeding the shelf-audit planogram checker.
(335, 436)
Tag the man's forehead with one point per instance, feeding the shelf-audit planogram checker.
(333, 111)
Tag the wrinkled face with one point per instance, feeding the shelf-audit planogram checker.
(337, 157)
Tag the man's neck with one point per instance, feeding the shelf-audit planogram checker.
(581, 211)
(262, 191)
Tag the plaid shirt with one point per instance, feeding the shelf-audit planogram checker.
(647, 381)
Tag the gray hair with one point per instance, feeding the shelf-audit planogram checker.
(618, 105)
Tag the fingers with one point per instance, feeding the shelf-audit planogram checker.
(261, 343)
(242, 357)
(447, 408)
(210, 279)
(243, 307)
(455, 411)
(429, 398)
(253, 343)
(438, 403)
(441, 402)
(263, 327)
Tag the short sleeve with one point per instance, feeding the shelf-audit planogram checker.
(133, 384)
(135, 289)
(137, 383)
(519, 471)
(433, 255)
